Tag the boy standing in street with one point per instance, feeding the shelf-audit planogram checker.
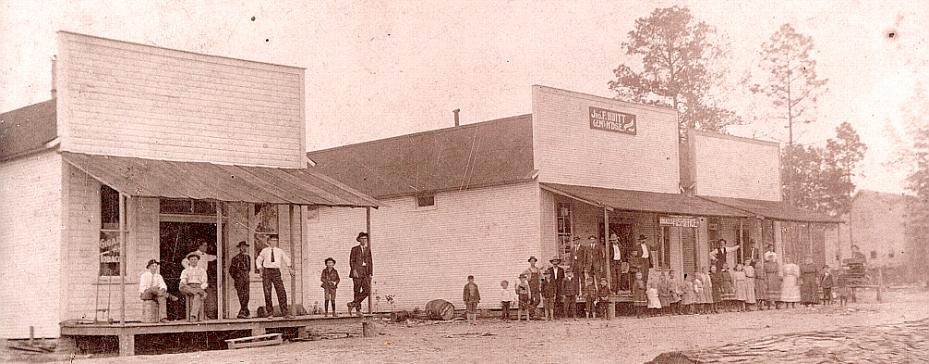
(569, 289)
(471, 297)
(330, 282)
(506, 297)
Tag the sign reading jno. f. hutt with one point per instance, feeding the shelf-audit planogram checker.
(610, 120)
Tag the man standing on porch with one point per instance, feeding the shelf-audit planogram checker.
(268, 264)
(205, 258)
(152, 287)
(362, 268)
(239, 269)
(193, 285)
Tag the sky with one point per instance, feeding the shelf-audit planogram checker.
(377, 69)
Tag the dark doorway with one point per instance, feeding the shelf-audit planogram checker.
(178, 239)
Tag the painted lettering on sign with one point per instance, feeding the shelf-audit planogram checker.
(610, 120)
(679, 221)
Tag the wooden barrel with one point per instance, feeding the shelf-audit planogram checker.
(440, 310)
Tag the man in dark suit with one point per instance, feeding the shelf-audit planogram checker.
(556, 274)
(239, 270)
(362, 268)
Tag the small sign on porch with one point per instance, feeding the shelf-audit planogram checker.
(679, 221)
(610, 120)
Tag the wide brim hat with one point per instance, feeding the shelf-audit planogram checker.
(361, 235)
(241, 243)
(642, 237)
(152, 261)
(327, 260)
(532, 258)
(555, 259)
(192, 254)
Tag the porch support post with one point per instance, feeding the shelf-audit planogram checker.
(293, 278)
(122, 258)
(368, 231)
(611, 307)
(220, 264)
(742, 245)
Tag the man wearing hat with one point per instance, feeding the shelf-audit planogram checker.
(556, 274)
(193, 285)
(644, 256)
(152, 287)
(269, 264)
(239, 270)
(362, 268)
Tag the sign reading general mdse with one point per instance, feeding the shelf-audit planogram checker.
(610, 120)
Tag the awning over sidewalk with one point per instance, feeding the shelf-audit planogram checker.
(206, 181)
(667, 203)
(777, 210)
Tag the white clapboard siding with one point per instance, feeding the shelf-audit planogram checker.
(85, 291)
(30, 245)
(422, 254)
(133, 100)
(567, 150)
(728, 166)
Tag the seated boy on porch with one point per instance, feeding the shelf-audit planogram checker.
(152, 287)
(193, 285)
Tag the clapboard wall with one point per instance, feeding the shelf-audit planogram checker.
(422, 254)
(126, 99)
(568, 151)
(30, 249)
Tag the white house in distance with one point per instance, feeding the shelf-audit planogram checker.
(143, 152)
(479, 199)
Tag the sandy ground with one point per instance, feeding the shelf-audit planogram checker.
(623, 340)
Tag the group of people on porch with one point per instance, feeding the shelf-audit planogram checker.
(269, 264)
(726, 284)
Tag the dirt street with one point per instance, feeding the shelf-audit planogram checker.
(624, 340)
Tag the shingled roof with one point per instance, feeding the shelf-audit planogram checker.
(475, 155)
(27, 128)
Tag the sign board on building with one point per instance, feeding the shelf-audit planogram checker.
(679, 221)
(610, 120)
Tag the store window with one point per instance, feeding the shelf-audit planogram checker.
(425, 200)
(109, 232)
(266, 225)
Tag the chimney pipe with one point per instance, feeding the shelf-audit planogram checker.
(54, 77)
(456, 111)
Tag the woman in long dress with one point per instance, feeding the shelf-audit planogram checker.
(687, 294)
(809, 287)
(772, 279)
(741, 286)
(664, 292)
(716, 280)
(790, 290)
(727, 291)
(750, 297)
(761, 287)
(709, 304)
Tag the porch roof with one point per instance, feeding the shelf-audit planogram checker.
(777, 210)
(669, 203)
(206, 181)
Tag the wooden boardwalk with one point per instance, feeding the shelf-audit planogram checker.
(126, 333)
